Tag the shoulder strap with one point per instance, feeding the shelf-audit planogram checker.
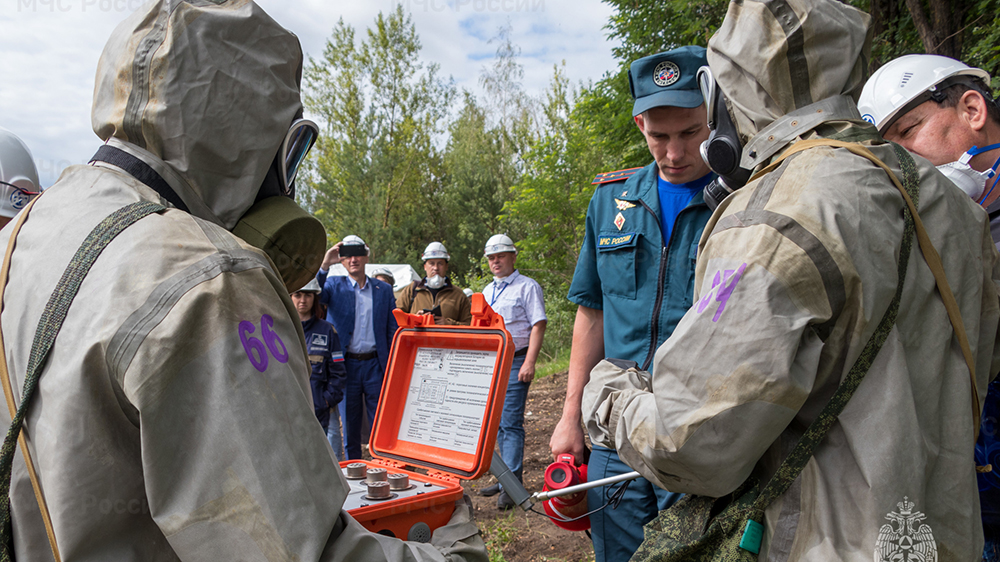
(48, 327)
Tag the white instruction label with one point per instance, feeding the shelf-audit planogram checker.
(447, 399)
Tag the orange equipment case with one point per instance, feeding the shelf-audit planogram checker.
(439, 409)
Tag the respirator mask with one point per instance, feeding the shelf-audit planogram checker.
(435, 282)
(969, 180)
(293, 239)
(723, 149)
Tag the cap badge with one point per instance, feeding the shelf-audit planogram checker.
(666, 73)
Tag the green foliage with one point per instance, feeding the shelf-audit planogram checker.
(376, 169)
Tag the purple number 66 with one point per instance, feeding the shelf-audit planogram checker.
(256, 349)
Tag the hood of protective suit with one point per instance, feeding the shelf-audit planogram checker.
(210, 88)
(775, 56)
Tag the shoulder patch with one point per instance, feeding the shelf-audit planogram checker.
(608, 177)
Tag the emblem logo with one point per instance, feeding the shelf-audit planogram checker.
(319, 340)
(623, 205)
(666, 73)
(901, 539)
(619, 221)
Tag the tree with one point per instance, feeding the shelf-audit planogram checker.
(376, 169)
(484, 158)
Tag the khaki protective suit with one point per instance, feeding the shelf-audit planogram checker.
(794, 272)
(173, 421)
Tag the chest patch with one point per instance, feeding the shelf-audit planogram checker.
(319, 340)
(610, 242)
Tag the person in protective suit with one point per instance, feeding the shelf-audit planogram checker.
(173, 418)
(794, 273)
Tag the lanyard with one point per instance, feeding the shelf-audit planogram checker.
(496, 295)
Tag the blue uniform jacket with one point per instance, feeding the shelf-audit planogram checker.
(642, 283)
(338, 296)
(326, 357)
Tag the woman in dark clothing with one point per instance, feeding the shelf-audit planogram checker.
(327, 359)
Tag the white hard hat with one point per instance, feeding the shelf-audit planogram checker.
(499, 243)
(352, 240)
(311, 287)
(385, 272)
(18, 176)
(435, 251)
(904, 83)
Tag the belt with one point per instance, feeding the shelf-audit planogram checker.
(361, 356)
(520, 352)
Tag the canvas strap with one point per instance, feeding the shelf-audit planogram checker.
(793, 464)
(48, 327)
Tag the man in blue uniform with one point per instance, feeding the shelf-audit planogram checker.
(360, 308)
(634, 277)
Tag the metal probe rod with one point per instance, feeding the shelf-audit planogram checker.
(542, 496)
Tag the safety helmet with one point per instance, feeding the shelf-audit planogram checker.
(904, 83)
(18, 176)
(435, 251)
(352, 240)
(499, 243)
(384, 272)
(311, 287)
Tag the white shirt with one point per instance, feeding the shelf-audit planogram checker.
(518, 299)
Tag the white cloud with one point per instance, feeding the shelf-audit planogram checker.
(50, 50)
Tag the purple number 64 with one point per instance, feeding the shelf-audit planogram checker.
(256, 349)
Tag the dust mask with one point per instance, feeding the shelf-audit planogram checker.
(969, 180)
(435, 282)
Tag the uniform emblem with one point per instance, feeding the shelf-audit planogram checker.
(666, 73)
(901, 539)
(619, 221)
(624, 192)
(623, 205)
(319, 340)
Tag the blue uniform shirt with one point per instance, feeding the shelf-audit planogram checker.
(626, 270)
(674, 197)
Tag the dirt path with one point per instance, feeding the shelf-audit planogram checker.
(517, 536)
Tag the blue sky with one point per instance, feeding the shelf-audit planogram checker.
(49, 51)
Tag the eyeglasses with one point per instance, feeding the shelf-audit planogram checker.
(300, 139)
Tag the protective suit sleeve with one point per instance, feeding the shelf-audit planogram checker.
(235, 465)
(733, 375)
(457, 541)
(585, 290)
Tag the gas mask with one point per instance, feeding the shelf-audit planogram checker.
(435, 282)
(293, 239)
(969, 180)
(723, 149)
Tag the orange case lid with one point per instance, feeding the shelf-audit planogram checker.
(443, 392)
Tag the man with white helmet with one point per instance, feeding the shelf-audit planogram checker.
(18, 176)
(825, 363)
(518, 299)
(361, 309)
(943, 110)
(172, 418)
(434, 294)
